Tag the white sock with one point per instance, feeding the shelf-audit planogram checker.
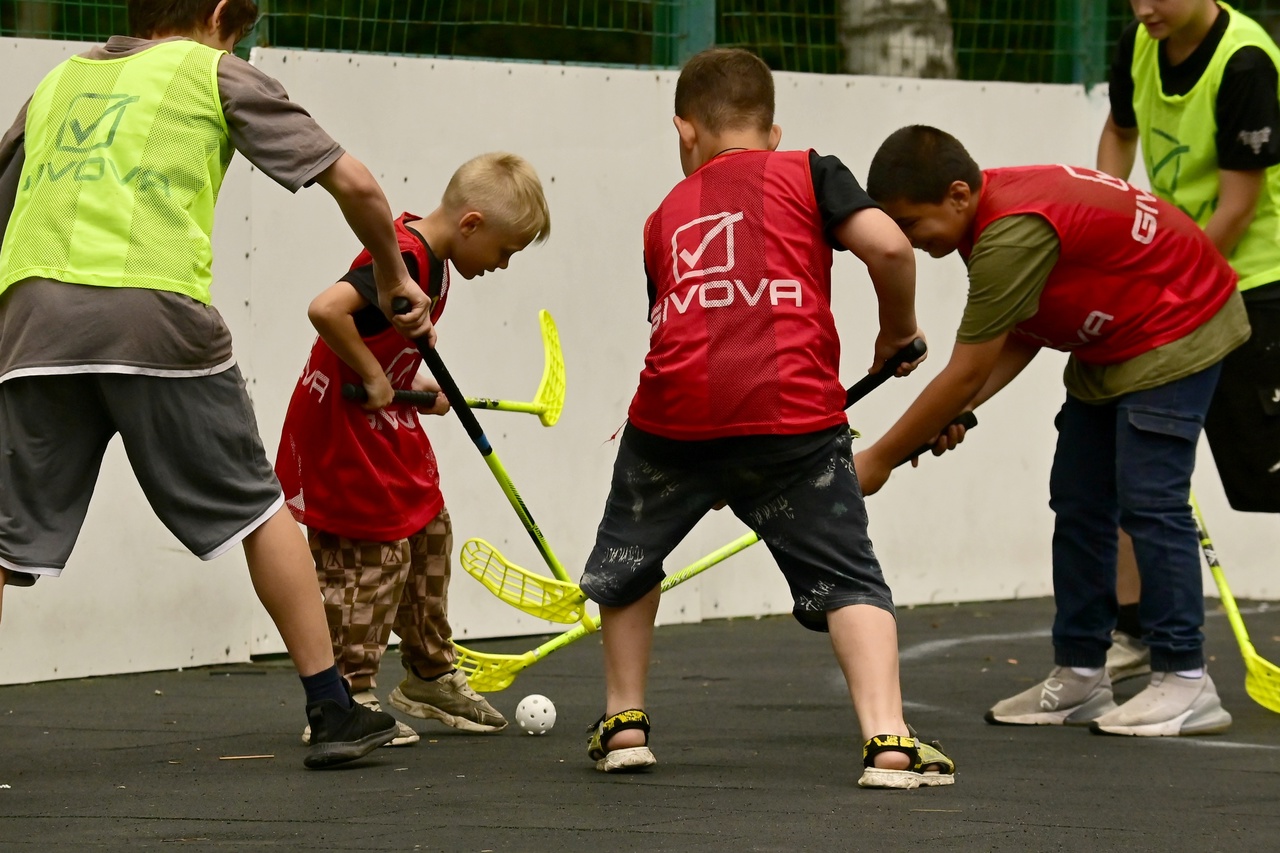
(1086, 671)
(1198, 672)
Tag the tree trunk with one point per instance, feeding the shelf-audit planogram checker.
(898, 38)
(34, 19)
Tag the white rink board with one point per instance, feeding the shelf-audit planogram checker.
(972, 526)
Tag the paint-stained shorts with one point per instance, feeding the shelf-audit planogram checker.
(809, 511)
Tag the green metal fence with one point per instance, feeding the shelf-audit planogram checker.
(1014, 40)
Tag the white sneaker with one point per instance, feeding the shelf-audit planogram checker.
(405, 736)
(1169, 706)
(1127, 657)
(1065, 698)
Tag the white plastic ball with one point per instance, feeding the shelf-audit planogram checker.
(535, 714)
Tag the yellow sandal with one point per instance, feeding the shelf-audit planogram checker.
(620, 760)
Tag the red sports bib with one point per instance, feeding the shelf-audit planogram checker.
(1134, 272)
(743, 341)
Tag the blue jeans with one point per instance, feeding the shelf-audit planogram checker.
(1128, 462)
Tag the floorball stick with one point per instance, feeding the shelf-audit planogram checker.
(547, 402)
(435, 364)
(1262, 678)
(490, 673)
(558, 599)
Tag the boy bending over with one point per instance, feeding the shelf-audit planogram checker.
(365, 481)
(106, 325)
(1080, 261)
(740, 402)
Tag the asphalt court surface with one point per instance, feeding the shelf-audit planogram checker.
(757, 745)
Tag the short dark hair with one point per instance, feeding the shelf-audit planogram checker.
(725, 88)
(918, 164)
(149, 18)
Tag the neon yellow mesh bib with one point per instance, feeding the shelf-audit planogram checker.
(1180, 150)
(124, 159)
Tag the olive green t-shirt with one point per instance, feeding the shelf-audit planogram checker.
(1008, 268)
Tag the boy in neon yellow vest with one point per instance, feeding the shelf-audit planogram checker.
(1196, 82)
(108, 180)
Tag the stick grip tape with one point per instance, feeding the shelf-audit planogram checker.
(356, 393)
(867, 384)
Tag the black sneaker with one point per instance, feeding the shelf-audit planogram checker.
(339, 735)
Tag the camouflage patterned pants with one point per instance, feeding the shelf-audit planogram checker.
(371, 587)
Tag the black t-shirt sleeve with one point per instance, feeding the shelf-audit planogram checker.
(1248, 112)
(838, 193)
(1121, 78)
(370, 320)
(651, 287)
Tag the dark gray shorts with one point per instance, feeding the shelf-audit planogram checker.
(192, 442)
(809, 511)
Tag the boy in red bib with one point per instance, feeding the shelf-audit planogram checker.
(740, 403)
(364, 479)
(1080, 261)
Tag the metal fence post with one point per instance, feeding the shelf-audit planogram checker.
(1081, 42)
(681, 28)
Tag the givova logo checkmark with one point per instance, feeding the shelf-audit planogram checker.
(698, 251)
(91, 121)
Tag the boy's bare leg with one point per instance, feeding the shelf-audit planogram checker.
(1128, 584)
(865, 640)
(628, 640)
(285, 579)
(4, 578)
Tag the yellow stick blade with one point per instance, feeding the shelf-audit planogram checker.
(550, 396)
(488, 673)
(539, 596)
(1262, 680)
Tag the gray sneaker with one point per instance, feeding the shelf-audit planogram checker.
(1168, 707)
(1127, 657)
(405, 736)
(1065, 698)
(448, 699)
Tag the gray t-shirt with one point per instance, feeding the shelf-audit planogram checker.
(50, 327)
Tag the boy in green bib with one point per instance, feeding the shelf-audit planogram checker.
(108, 180)
(1196, 83)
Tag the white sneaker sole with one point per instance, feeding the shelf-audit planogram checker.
(626, 760)
(424, 711)
(1176, 727)
(878, 777)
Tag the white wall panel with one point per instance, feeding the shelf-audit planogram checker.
(974, 525)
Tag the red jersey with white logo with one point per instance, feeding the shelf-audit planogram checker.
(1133, 273)
(363, 475)
(743, 341)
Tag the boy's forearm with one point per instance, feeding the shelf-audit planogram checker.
(341, 336)
(1238, 194)
(949, 394)
(1117, 149)
(894, 279)
(365, 208)
(1013, 360)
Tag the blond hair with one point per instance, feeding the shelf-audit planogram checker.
(506, 190)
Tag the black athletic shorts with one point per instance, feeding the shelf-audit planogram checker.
(1243, 424)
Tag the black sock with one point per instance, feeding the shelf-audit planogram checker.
(1127, 621)
(434, 677)
(326, 684)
